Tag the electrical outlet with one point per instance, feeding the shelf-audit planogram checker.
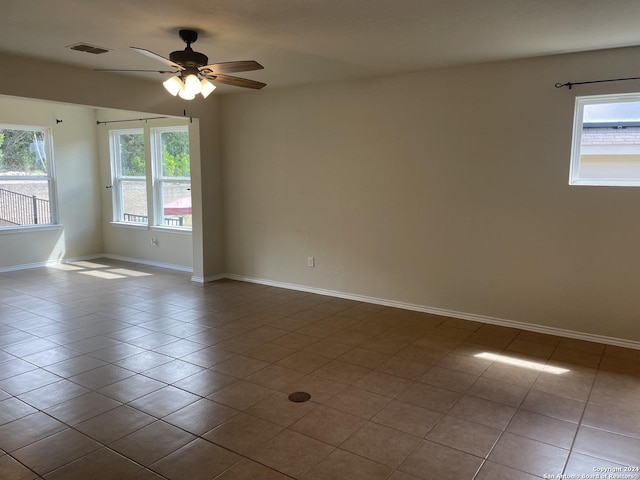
(311, 262)
(154, 241)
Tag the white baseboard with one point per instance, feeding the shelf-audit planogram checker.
(151, 263)
(48, 263)
(448, 313)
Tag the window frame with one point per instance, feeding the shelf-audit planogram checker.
(159, 179)
(50, 177)
(576, 146)
(117, 178)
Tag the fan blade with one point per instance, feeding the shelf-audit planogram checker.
(157, 57)
(236, 81)
(126, 70)
(231, 67)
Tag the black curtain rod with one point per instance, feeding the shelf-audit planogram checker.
(129, 120)
(571, 84)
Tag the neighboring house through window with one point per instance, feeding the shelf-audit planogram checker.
(606, 141)
(27, 181)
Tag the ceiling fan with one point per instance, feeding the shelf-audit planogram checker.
(192, 72)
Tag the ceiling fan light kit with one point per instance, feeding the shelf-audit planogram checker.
(192, 73)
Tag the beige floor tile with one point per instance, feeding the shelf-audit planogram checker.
(341, 372)
(197, 460)
(269, 352)
(576, 357)
(278, 409)
(465, 364)
(383, 344)
(429, 397)
(515, 375)
(304, 361)
(55, 451)
(407, 418)
(358, 402)
(564, 385)
(82, 408)
(584, 465)
(450, 379)
(562, 408)
(103, 464)
(484, 412)
(398, 475)
(364, 358)
(241, 395)
(205, 382)
(528, 455)
(275, 376)
(27, 430)
(462, 435)
(28, 381)
(131, 388)
(328, 425)
(207, 357)
(383, 384)
(340, 464)
(381, 444)
(405, 367)
(115, 424)
(497, 391)
(295, 340)
(173, 371)
(292, 453)
(430, 460)
(495, 471)
(164, 401)
(328, 349)
(239, 366)
(542, 428)
(12, 408)
(608, 446)
(11, 469)
(243, 433)
(540, 350)
(201, 416)
(613, 420)
(249, 470)
(52, 394)
(151, 443)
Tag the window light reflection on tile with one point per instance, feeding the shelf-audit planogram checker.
(128, 272)
(102, 274)
(517, 362)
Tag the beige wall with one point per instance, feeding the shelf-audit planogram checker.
(63, 83)
(445, 189)
(77, 174)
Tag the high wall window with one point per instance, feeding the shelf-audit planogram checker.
(606, 141)
(165, 179)
(27, 182)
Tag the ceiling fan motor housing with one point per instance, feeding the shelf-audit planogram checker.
(189, 58)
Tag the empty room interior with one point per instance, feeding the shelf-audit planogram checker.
(319, 240)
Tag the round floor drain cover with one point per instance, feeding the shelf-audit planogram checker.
(299, 397)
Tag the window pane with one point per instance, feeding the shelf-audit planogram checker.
(22, 152)
(176, 201)
(175, 154)
(132, 159)
(134, 201)
(24, 202)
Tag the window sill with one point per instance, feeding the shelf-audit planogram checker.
(29, 229)
(179, 231)
(134, 226)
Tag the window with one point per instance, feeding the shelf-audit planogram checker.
(172, 176)
(129, 176)
(606, 141)
(165, 179)
(27, 184)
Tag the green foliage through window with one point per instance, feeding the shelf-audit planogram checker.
(22, 152)
(132, 154)
(175, 154)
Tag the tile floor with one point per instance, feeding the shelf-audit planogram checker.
(111, 370)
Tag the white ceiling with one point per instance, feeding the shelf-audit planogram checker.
(311, 41)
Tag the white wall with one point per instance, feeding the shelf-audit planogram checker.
(445, 189)
(77, 175)
(64, 83)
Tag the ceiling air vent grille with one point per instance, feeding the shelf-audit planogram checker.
(84, 47)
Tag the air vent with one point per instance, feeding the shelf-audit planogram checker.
(84, 47)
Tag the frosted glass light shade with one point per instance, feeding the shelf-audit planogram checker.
(173, 85)
(192, 84)
(206, 87)
(185, 95)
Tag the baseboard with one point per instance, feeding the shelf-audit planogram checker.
(51, 263)
(48, 263)
(151, 263)
(620, 342)
(211, 278)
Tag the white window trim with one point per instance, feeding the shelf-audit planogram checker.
(577, 149)
(117, 178)
(50, 178)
